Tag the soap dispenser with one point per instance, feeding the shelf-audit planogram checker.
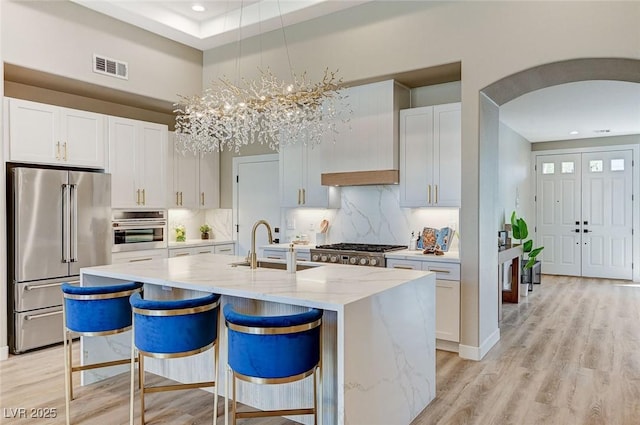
(291, 259)
(412, 241)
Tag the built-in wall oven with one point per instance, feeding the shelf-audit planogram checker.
(134, 230)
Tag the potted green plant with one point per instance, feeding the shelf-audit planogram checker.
(521, 232)
(204, 231)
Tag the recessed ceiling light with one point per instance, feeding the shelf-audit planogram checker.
(574, 132)
(604, 130)
(198, 8)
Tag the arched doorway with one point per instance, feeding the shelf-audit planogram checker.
(511, 87)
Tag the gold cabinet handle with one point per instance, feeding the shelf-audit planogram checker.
(144, 199)
(58, 151)
(429, 193)
(178, 199)
(138, 197)
(304, 196)
(202, 199)
(403, 267)
(436, 186)
(440, 271)
(65, 150)
(299, 193)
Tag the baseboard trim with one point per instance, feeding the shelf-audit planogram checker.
(4, 352)
(471, 352)
(451, 346)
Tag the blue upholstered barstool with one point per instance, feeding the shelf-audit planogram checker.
(94, 311)
(274, 350)
(170, 329)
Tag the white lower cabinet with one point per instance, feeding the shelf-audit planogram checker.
(135, 256)
(447, 296)
(181, 252)
(225, 249)
(281, 254)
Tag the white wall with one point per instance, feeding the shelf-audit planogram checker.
(492, 40)
(4, 348)
(516, 185)
(60, 37)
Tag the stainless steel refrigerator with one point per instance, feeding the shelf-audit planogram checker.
(59, 221)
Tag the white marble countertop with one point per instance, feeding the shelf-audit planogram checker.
(327, 286)
(405, 254)
(190, 243)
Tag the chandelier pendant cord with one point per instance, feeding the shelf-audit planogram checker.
(286, 45)
(266, 110)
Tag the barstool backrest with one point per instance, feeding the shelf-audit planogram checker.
(97, 310)
(175, 328)
(273, 347)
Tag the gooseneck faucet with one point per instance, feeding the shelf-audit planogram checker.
(254, 256)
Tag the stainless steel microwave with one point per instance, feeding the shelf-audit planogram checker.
(134, 230)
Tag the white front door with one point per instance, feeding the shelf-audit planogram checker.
(256, 198)
(558, 213)
(584, 214)
(607, 214)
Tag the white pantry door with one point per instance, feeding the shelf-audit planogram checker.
(584, 214)
(256, 198)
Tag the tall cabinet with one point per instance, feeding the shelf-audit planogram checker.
(430, 156)
(137, 162)
(194, 179)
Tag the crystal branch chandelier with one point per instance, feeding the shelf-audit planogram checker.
(269, 111)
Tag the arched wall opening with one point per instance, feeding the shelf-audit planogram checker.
(489, 217)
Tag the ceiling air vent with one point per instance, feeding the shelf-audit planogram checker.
(112, 67)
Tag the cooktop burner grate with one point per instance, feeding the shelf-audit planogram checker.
(362, 247)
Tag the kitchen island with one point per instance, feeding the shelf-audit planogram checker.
(378, 331)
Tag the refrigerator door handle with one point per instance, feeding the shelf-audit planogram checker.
(65, 223)
(73, 237)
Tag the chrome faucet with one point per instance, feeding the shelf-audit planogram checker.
(254, 256)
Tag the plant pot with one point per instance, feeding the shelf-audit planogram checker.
(204, 235)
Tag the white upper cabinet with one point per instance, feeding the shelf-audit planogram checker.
(137, 163)
(369, 141)
(301, 167)
(47, 134)
(430, 156)
(195, 179)
(209, 180)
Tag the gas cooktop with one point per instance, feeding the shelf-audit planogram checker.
(362, 247)
(363, 254)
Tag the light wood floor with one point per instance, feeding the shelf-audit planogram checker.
(569, 354)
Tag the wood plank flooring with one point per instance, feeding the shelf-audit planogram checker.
(569, 354)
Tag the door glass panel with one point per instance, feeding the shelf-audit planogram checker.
(548, 168)
(595, 165)
(568, 167)
(617, 165)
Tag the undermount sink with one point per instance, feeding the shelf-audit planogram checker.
(271, 265)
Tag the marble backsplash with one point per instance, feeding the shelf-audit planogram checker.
(218, 219)
(369, 214)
